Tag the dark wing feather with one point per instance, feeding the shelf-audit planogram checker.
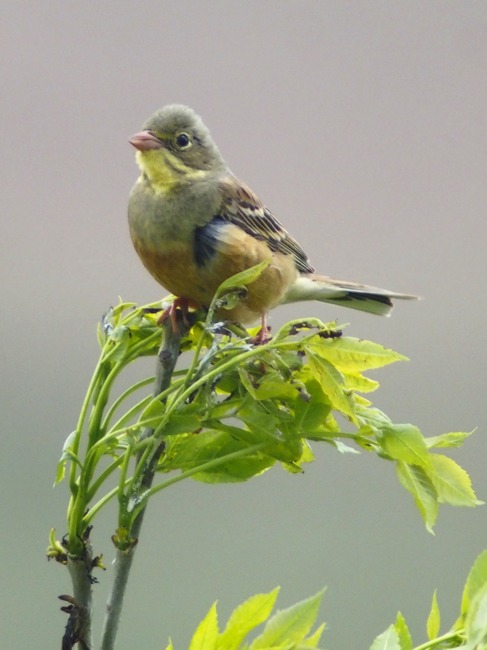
(205, 240)
(241, 207)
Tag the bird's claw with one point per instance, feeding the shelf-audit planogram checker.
(179, 305)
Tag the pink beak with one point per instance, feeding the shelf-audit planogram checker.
(145, 141)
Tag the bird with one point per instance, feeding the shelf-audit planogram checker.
(194, 224)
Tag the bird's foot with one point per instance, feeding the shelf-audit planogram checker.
(263, 335)
(179, 304)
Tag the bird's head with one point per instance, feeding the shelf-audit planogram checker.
(175, 147)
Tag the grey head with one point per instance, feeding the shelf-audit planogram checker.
(182, 132)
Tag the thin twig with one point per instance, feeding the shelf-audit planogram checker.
(166, 361)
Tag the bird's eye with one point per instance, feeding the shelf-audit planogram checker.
(183, 141)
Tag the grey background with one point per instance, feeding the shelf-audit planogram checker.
(362, 125)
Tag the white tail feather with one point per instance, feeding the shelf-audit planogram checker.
(343, 293)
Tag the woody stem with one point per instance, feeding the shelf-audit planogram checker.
(166, 361)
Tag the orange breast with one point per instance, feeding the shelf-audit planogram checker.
(177, 271)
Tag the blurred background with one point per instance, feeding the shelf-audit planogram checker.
(363, 126)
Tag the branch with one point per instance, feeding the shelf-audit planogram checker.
(166, 361)
(78, 628)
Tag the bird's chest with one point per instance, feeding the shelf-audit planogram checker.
(157, 219)
(163, 229)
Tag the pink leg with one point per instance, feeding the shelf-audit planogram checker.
(263, 335)
(171, 312)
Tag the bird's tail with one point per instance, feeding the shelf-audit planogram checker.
(347, 294)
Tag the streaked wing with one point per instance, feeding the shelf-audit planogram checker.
(243, 208)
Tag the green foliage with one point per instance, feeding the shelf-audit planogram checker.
(236, 410)
(232, 411)
(468, 632)
(434, 619)
(290, 629)
(287, 629)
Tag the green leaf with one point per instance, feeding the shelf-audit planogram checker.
(452, 482)
(273, 386)
(186, 452)
(177, 424)
(434, 619)
(206, 635)
(261, 424)
(313, 640)
(290, 625)
(271, 428)
(295, 326)
(418, 483)
(270, 385)
(310, 416)
(402, 630)
(452, 439)
(243, 278)
(311, 413)
(245, 618)
(476, 621)
(246, 380)
(67, 454)
(170, 645)
(230, 298)
(154, 409)
(354, 355)
(388, 640)
(344, 448)
(371, 417)
(119, 342)
(303, 454)
(405, 442)
(332, 383)
(476, 581)
(359, 383)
